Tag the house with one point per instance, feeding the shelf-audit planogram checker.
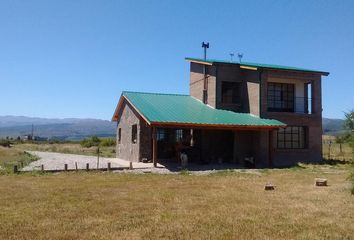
(251, 114)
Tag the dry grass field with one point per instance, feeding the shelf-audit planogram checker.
(223, 205)
(226, 205)
(10, 157)
(72, 148)
(333, 151)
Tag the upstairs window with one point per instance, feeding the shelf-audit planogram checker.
(231, 92)
(134, 133)
(292, 137)
(281, 97)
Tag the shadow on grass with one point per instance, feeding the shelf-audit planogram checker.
(333, 162)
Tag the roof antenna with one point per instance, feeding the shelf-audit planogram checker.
(232, 56)
(205, 46)
(240, 55)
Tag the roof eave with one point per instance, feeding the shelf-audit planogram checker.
(123, 99)
(250, 67)
(218, 126)
(295, 70)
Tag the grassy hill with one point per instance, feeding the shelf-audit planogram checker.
(332, 126)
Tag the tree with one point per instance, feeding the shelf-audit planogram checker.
(340, 140)
(349, 120)
(349, 124)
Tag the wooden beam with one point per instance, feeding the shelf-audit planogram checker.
(200, 62)
(249, 68)
(154, 147)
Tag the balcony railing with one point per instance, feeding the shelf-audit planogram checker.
(295, 105)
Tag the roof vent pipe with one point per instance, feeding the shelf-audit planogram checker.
(205, 46)
(205, 88)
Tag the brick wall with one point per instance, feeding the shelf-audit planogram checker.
(196, 84)
(313, 122)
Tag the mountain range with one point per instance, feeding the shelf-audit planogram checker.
(77, 128)
(65, 129)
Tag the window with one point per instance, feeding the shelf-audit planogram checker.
(134, 133)
(231, 92)
(119, 134)
(179, 135)
(161, 134)
(280, 97)
(292, 138)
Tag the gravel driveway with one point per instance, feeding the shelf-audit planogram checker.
(56, 161)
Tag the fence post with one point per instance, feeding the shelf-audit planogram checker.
(76, 166)
(109, 166)
(15, 169)
(130, 165)
(42, 168)
(65, 167)
(87, 166)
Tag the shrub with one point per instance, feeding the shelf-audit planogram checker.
(91, 141)
(5, 143)
(108, 142)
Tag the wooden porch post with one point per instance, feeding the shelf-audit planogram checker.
(154, 147)
(192, 138)
(270, 150)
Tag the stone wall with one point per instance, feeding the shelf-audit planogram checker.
(126, 149)
(145, 141)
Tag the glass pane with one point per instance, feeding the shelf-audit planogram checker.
(288, 137)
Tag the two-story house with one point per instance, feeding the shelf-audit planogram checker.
(246, 113)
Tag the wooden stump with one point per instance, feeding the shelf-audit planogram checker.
(269, 187)
(320, 182)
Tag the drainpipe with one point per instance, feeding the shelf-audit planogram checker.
(260, 92)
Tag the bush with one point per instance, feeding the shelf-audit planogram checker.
(108, 142)
(5, 143)
(90, 142)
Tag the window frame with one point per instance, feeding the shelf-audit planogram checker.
(134, 133)
(119, 135)
(179, 135)
(292, 137)
(161, 134)
(231, 94)
(280, 97)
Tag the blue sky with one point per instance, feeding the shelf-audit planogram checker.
(73, 58)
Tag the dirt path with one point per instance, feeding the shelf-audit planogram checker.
(56, 161)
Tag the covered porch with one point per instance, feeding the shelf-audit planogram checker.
(240, 147)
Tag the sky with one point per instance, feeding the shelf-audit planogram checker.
(68, 58)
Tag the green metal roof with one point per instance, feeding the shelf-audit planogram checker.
(258, 65)
(184, 109)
